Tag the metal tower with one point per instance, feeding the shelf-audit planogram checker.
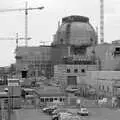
(102, 21)
(26, 9)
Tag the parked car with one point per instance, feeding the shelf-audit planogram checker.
(42, 106)
(46, 109)
(55, 116)
(49, 109)
(71, 89)
(77, 93)
(83, 112)
(56, 111)
(65, 115)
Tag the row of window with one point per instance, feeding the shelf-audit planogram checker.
(102, 87)
(80, 62)
(51, 99)
(76, 71)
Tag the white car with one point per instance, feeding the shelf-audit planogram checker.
(45, 109)
(65, 116)
(83, 111)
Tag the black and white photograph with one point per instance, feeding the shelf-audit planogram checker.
(60, 60)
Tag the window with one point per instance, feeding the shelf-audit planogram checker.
(42, 99)
(68, 70)
(76, 70)
(107, 88)
(6, 101)
(61, 41)
(61, 99)
(55, 98)
(117, 51)
(51, 99)
(24, 74)
(46, 99)
(91, 39)
(103, 87)
(83, 70)
(100, 87)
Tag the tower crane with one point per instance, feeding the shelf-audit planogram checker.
(43, 42)
(26, 9)
(14, 38)
(102, 21)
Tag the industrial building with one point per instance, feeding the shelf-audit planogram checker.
(73, 37)
(74, 53)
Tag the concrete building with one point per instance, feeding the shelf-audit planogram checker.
(50, 95)
(73, 75)
(73, 36)
(104, 82)
(74, 52)
(36, 60)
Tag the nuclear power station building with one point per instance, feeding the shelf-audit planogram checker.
(74, 52)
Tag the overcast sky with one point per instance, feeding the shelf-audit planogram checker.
(42, 24)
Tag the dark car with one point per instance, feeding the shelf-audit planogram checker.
(55, 117)
(77, 93)
(50, 111)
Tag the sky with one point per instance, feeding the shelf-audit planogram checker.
(42, 24)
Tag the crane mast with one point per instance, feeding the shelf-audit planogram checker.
(26, 24)
(14, 38)
(26, 17)
(102, 21)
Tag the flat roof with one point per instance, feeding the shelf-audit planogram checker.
(48, 93)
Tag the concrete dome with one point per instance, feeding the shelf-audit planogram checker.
(75, 30)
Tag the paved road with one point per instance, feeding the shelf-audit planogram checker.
(31, 114)
(104, 114)
(100, 114)
(95, 114)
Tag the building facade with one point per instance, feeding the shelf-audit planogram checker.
(35, 60)
(73, 53)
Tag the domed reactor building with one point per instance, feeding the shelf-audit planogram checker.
(72, 38)
(72, 54)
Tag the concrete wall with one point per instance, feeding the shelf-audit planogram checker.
(104, 80)
(61, 74)
(58, 52)
(100, 80)
(104, 52)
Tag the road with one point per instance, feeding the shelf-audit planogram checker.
(100, 114)
(31, 114)
(95, 114)
(104, 114)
